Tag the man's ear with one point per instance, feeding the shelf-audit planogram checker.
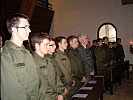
(36, 45)
(71, 42)
(13, 29)
(59, 43)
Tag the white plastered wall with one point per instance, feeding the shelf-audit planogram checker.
(85, 16)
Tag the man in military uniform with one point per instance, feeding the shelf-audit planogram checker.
(107, 50)
(52, 87)
(94, 45)
(76, 61)
(121, 54)
(64, 63)
(19, 78)
(58, 71)
(102, 62)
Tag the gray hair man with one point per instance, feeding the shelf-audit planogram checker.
(86, 55)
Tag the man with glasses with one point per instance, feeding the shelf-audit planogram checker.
(19, 78)
(61, 78)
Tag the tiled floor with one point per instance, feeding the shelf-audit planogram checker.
(123, 91)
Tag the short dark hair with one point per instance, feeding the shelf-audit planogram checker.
(58, 40)
(52, 39)
(110, 43)
(118, 39)
(38, 38)
(13, 21)
(113, 42)
(94, 41)
(98, 40)
(69, 38)
(105, 37)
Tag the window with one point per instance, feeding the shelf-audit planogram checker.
(108, 30)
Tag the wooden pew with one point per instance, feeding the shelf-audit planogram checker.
(115, 75)
(116, 72)
(93, 90)
(125, 68)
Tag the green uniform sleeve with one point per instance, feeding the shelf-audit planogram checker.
(11, 89)
(60, 87)
(63, 78)
(60, 74)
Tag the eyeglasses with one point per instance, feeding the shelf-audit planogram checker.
(52, 45)
(26, 27)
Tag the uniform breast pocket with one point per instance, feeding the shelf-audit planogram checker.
(20, 70)
(63, 61)
(44, 71)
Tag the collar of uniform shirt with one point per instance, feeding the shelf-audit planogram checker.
(84, 46)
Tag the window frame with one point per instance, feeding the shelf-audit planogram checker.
(102, 26)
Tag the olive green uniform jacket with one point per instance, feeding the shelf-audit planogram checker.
(116, 53)
(100, 57)
(120, 53)
(107, 52)
(76, 62)
(101, 61)
(19, 78)
(77, 65)
(64, 65)
(51, 85)
(61, 82)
